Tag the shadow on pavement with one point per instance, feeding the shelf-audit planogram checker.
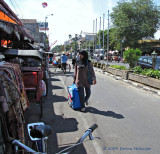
(60, 99)
(57, 87)
(59, 73)
(54, 79)
(104, 113)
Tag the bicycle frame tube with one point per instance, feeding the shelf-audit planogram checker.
(19, 144)
(87, 133)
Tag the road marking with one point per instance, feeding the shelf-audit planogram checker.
(96, 145)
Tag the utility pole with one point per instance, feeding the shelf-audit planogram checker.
(108, 38)
(96, 33)
(103, 33)
(93, 36)
(99, 32)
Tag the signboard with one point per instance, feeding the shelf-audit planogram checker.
(89, 37)
(98, 47)
(42, 26)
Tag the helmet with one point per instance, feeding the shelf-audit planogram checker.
(63, 53)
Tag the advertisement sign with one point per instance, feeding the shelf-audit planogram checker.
(42, 26)
(89, 37)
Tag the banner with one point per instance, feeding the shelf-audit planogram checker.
(89, 37)
(42, 26)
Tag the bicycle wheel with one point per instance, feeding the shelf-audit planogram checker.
(41, 107)
(46, 87)
(68, 68)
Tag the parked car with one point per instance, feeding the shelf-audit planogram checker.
(146, 62)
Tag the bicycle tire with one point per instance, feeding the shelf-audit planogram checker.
(41, 107)
(68, 68)
(46, 87)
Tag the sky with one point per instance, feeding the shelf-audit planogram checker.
(69, 16)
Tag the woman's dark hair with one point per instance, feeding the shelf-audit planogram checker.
(85, 56)
(84, 53)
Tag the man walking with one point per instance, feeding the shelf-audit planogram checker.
(64, 59)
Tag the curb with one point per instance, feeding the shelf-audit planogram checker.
(135, 84)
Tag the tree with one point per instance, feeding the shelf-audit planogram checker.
(132, 56)
(114, 43)
(135, 20)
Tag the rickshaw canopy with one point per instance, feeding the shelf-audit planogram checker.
(23, 53)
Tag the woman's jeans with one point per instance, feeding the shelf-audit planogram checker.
(84, 98)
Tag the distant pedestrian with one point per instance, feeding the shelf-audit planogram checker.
(98, 58)
(82, 66)
(73, 61)
(64, 59)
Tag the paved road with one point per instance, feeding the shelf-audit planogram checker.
(128, 118)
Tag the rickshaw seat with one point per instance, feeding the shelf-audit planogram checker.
(30, 80)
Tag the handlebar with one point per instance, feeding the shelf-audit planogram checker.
(19, 144)
(88, 132)
(93, 127)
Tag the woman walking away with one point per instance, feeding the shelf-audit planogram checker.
(81, 77)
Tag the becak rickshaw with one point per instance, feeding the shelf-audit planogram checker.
(32, 68)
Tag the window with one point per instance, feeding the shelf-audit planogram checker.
(140, 59)
(145, 60)
(158, 61)
(150, 61)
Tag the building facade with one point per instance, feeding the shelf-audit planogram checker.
(33, 27)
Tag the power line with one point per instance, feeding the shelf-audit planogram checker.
(18, 8)
(15, 7)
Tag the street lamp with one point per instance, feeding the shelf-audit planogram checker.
(77, 37)
(122, 41)
(154, 57)
(46, 26)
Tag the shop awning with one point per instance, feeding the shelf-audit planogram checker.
(11, 24)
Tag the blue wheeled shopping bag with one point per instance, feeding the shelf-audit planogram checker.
(73, 97)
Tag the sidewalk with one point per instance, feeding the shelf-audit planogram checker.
(136, 84)
(66, 123)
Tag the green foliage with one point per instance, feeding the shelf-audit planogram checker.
(114, 43)
(137, 69)
(118, 67)
(132, 56)
(135, 19)
(147, 72)
(57, 48)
